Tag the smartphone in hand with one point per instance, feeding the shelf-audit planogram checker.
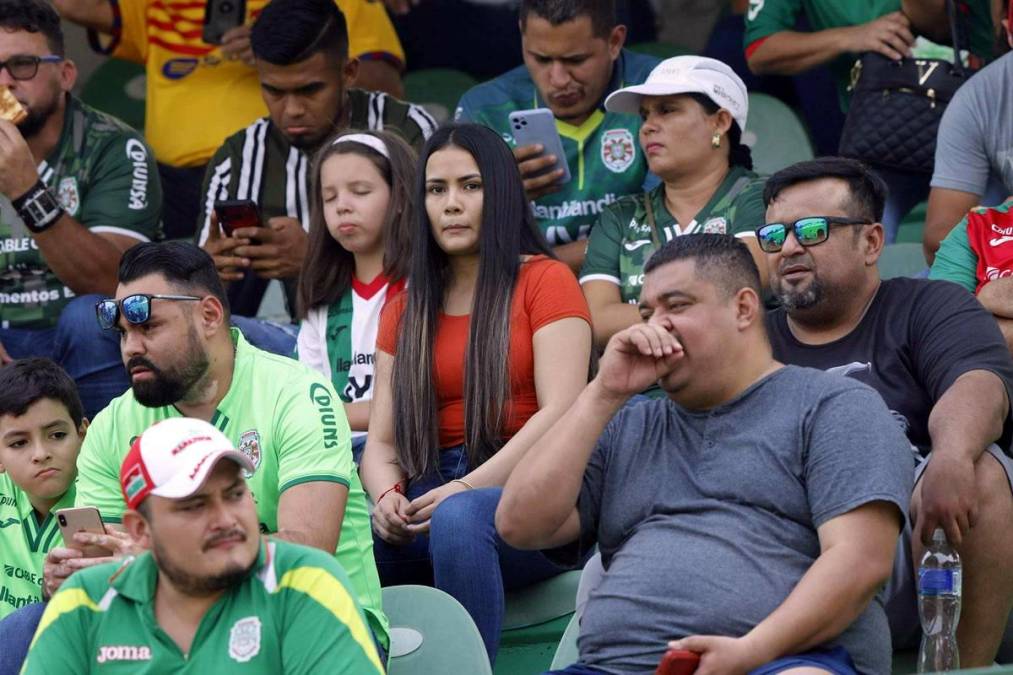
(82, 519)
(236, 213)
(538, 127)
(678, 662)
(221, 16)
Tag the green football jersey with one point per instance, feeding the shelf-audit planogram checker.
(24, 543)
(104, 175)
(292, 614)
(766, 17)
(622, 241)
(288, 420)
(604, 155)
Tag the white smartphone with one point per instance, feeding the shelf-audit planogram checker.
(538, 127)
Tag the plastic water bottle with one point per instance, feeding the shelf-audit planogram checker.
(939, 606)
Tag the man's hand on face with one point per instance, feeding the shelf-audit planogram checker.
(277, 251)
(18, 171)
(62, 562)
(236, 45)
(637, 357)
(532, 161)
(949, 499)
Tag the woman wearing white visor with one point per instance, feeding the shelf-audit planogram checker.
(693, 110)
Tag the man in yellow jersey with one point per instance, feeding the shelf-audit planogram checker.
(198, 93)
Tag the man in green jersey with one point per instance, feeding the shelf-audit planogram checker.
(77, 188)
(184, 360)
(573, 58)
(301, 52)
(211, 594)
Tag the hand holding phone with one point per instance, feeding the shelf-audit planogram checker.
(532, 129)
(82, 519)
(236, 213)
(220, 16)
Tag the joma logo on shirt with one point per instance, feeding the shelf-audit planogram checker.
(322, 398)
(123, 653)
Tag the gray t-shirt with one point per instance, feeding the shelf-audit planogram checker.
(706, 521)
(974, 149)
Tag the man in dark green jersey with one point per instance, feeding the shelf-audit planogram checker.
(301, 51)
(573, 59)
(77, 188)
(211, 594)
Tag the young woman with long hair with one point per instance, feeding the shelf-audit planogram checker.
(488, 346)
(361, 211)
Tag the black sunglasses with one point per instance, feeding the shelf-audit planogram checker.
(136, 308)
(808, 231)
(23, 67)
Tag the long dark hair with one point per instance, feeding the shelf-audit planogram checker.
(738, 153)
(508, 231)
(329, 267)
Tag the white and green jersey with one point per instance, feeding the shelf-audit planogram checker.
(288, 421)
(24, 543)
(293, 614)
(340, 341)
(603, 153)
(622, 240)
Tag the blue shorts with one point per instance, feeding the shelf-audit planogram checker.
(835, 660)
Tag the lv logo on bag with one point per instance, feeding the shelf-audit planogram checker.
(925, 70)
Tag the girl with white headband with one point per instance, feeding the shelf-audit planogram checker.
(361, 207)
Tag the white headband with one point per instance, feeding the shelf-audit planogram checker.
(367, 140)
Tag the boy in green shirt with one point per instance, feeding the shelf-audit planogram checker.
(42, 426)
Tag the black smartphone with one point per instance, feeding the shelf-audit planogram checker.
(236, 213)
(221, 16)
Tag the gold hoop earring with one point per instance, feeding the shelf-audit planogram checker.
(716, 140)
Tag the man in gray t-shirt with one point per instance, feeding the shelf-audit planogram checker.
(974, 151)
(751, 516)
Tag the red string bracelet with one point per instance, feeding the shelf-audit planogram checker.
(397, 488)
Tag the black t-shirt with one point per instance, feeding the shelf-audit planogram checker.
(916, 339)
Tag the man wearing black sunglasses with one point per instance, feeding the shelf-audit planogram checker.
(77, 188)
(934, 355)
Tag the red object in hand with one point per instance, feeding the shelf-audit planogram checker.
(678, 662)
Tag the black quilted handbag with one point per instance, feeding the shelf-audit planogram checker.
(896, 106)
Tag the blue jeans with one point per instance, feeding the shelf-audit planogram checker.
(463, 555)
(276, 338)
(16, 632)
(835, 660)
(90, 355)
(906, 190)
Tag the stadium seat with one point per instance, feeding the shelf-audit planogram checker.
(117, 87)
(535, 619)
(431, 633)
(912, 226)
(566, 651)
(438, 90)
(775, 134)
(902, 260)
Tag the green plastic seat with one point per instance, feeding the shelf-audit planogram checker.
(534, 620)
(902, 260)
(912, 226)
(117, 87)
(566, 651)
(775, 134)
(431, 633)
(438, 90)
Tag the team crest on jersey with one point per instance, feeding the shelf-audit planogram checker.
(249, 445)
(617, 150)
(715, 226)
(68, 195)
(244, 639)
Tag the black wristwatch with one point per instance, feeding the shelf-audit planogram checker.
(38, 208)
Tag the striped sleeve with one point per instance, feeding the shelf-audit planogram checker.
(412, 121)
(61, 643)
(235, 172)
(325, 629)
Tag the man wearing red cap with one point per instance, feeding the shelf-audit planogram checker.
(268, 605)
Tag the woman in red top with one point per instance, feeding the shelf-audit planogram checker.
(486, 349)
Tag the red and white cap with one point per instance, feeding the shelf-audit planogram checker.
(173, 458)
(687, 75)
